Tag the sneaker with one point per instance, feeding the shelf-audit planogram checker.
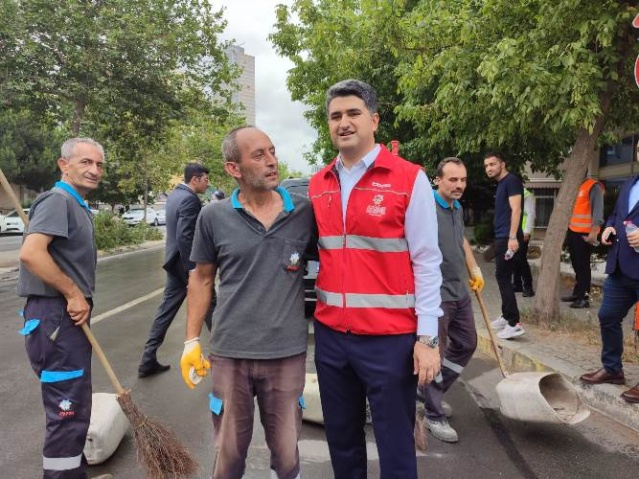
(510, 332)
(442, 430)
(499, 323)
(447, 408)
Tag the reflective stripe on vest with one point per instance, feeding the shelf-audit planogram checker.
(61, 463)
(383, 245)
(359, 300)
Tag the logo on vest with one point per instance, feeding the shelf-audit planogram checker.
(376, 209)
(380, 185)
(65, 409)
(294, 262)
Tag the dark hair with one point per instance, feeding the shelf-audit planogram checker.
(194, 169)
(451, 159)
(230, 150)
(500, 156)
(357, 88)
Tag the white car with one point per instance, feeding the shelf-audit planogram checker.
(161, 212)
(12, 223)
(136, 215)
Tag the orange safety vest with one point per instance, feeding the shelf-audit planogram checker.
(365, 283)
(581, 219)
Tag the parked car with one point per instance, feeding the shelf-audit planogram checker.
(161, 212)
(12, 223)
(136, 215)
(300, 186)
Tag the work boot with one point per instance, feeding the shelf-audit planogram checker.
(442, 430)
(103, 476)
(528, 293)
(146, 370)
(579, 304)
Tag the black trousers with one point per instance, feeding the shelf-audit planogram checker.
(522, 277)
(174, 295)
(580, 252)
(503, 274)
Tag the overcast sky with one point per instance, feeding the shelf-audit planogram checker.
(249, 23)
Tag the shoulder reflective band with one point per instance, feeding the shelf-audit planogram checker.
(57, 376)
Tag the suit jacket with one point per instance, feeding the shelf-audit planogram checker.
(621, 256)
(182, 209)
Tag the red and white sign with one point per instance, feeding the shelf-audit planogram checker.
(635, 22)
(637, 72)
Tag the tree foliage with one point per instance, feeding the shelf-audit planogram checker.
(122, 71)
(542, 80)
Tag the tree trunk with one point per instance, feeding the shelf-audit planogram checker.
(585, 150)
(78, 115)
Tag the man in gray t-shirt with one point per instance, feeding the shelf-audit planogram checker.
(256, 239)
(57, 276)
(457, 334)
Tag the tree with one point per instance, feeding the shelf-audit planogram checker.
(544, 80)
(121, 71)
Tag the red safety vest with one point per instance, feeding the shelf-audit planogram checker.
(581, 219)
(365, 283)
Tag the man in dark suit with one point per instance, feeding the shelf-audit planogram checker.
(182, 209)
(621, 289)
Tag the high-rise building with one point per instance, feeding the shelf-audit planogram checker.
(246, 94)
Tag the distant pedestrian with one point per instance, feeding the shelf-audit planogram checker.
(378, 289)
(57, 276)
(508, 239)
(585, 223)
(457, 333)
(182, 209)
(522, 276)
(621, 288)
(257, 241)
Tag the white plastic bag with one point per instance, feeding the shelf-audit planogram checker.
(106, 429)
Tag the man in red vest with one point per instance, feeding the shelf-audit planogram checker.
(378, 289)
(585, 222)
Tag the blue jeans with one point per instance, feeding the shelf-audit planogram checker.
(620, 294)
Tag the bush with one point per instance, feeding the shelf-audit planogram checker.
(111, 232)
(484, 232)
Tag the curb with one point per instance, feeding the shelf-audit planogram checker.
(603, 398)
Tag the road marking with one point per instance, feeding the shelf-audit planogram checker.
(125, 306)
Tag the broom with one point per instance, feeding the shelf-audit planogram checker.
(158, 449)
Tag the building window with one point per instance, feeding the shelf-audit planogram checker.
(544, 203)
(618, 154)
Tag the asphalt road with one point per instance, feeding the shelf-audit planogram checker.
(10, 242)
(129, 288)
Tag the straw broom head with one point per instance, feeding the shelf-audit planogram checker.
(158, 449)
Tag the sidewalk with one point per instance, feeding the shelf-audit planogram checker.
(542, 350)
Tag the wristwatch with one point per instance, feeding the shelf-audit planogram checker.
(512, 237)
(430, 341)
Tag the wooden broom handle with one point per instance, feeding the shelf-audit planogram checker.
(87, 331)
(491, 333)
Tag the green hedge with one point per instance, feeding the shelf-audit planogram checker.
(111, 232)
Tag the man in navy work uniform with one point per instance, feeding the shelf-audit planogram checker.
(182, 208)
(378, 289)
(57, 276)
(621, 288)
(257, 240)
(508, 237)
(457, 333)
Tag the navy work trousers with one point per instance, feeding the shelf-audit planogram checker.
(351, 368)
(620, 293)
(60, 355)
(457, 343)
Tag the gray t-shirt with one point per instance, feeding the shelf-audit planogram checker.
(260, 301)
(56, 213)
(450, 227)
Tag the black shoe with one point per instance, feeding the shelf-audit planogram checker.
(580, 303)
(157, 368)
(517, 289)
(528, 293)
(570, 298)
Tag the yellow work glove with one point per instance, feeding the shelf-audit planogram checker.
(193, 363)
(476, 280)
